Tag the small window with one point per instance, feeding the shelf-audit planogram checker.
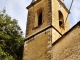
(40, 19)
(61, 20)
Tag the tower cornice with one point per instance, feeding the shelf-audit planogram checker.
(64, 6)
(46, 28)
(33, 4)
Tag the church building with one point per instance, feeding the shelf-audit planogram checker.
(48, 34)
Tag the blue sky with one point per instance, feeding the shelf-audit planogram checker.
(17, 9)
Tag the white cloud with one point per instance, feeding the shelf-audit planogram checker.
(75, 12)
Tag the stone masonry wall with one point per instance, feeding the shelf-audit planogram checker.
(32, 12)
(57, 6)
(68, 47)
(38, 47)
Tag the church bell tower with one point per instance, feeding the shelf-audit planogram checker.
(47, 21)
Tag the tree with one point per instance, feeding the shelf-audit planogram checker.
(11, 39)
(5, 55)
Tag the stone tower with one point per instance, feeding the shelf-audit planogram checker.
(45, 24)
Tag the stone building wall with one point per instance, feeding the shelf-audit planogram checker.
(57, 6)
(68, 47)
(32, 16)
(38, 47)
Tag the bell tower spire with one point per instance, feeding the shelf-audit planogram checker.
(33, 1)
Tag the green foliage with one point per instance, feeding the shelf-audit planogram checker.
(11, 39)
(5, 55)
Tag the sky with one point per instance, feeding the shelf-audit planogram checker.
(17, 9)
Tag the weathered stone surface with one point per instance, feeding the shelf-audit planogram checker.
(38, 47)
(68, 47)
(32, 17)
(58, 6)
